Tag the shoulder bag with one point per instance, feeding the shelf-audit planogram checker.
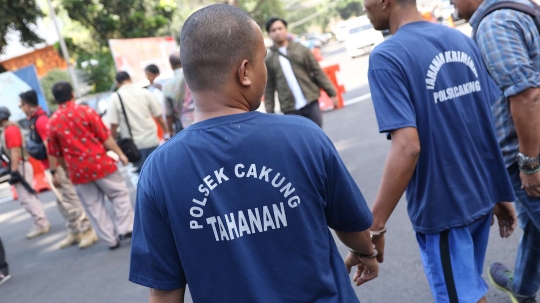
(127, 145)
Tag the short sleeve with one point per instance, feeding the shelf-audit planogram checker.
(393, 106)
(53, 146)
(155, 107)
(493, 90)
(505, 52)
(13, 137)
(112, 111)
(346, 209)
(154, 258)
(96, 123)
(41, 127)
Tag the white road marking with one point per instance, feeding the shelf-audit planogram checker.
(6, 199)
(357, 99)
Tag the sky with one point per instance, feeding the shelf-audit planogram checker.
(45, 29)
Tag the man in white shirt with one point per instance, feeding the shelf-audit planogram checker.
(141, 109)
(156, 84)
(295, 74)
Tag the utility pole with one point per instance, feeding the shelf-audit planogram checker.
(65, 52)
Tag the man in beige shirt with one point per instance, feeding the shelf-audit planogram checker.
(141, 109)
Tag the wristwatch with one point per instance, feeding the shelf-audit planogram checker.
(528, 165)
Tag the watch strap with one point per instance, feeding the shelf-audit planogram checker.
(528, 165)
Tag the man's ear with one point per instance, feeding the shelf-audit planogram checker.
(243, 75)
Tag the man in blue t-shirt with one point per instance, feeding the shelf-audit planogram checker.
(238, 205)
(432, 94)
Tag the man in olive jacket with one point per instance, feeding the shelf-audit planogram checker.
(295, 74)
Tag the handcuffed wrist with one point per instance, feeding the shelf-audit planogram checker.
(360, 255)
(377, 233)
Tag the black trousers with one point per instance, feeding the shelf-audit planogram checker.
(3, 265)
(311, 111)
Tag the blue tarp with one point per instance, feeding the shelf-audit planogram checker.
(29, 75)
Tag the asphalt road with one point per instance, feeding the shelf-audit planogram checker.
(43, 273)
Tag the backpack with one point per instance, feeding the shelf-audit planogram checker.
(533, 11)
(34, 144)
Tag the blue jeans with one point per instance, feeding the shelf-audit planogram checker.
(145, 153)
(527, 270)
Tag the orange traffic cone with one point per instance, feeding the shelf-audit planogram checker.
(14, 192)
(40, 183)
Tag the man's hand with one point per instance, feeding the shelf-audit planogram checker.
(351, 260)
(167, 136)
(122, 158)
(15, 178)
(56, 180)
(367, 269)
(531, 184)
(334, 100)
(378, 241)
(506, 216)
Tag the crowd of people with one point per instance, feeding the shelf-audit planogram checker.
(236, 188)
(71, 147)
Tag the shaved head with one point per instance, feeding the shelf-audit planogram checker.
(214, 41)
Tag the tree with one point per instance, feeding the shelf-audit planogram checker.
(19, 16)
(105, 20)
(262, 10)
(350, 8)
(100, 75)
(121, 19)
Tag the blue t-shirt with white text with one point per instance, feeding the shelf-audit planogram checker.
(238, 207)
(432, 77)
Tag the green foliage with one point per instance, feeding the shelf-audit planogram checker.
(100, 76)
(19, 16)
(106, 20)
(121, 19)
(262, 10)
(350, 8)
(47, 82)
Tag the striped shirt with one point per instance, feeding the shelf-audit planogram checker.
(510, 46)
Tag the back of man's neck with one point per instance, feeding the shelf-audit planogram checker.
(404, 16)
(206, 106)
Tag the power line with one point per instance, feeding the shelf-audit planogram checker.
(302, 4)
(314, 15)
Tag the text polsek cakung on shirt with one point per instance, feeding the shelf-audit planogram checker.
(234, 196)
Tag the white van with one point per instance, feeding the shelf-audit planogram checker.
(362, 37)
